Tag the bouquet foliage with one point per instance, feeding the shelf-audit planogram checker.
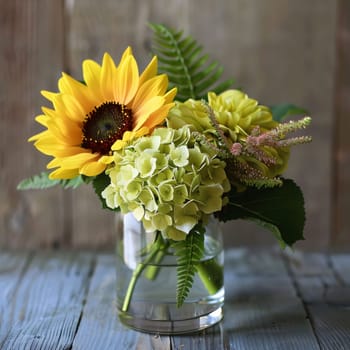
(172, 145)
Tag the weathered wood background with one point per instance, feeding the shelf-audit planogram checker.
(277, 50)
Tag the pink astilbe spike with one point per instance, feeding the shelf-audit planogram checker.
(255, 146)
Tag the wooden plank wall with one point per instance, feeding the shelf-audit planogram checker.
(277, 50)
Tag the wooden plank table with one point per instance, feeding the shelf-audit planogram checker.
(274, 300)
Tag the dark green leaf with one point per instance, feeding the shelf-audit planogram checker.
(281, 112)
(280, 209)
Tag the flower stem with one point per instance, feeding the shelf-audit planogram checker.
(156, 248)
(211, 275)
(209, 271)
(152, 270)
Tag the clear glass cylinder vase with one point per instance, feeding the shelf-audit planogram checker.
(147, 281)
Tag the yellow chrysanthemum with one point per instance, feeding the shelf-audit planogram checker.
(235, 112)
(237, 115)
(88, 121)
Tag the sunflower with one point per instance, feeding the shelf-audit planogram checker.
(92, 119)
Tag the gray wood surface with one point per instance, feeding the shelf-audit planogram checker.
(341, 149)
(274, 300)
(277, 50)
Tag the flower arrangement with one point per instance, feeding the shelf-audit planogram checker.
(173, 146)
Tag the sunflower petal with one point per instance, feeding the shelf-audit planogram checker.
(42, 119)
(63, 174)
(170, 95)
(92, 76)
(158, 116)
(92, 168)
(49, 145)
(127, 52)
(51, 96)
(152, 87)
(79, 91)
(74, 110)
(107, 77)
(66, 130)
(146, 110)
(150, 71)
(106, 159)
(128, 81)
(78, 160)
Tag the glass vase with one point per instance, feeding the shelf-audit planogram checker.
(147, 281)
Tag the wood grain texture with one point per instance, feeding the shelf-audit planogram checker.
(321, 282)
(341, 149)
(11, 269)
(66, 301)
(94, 30)
(275, 49)
(48, 302)
(275, 67)
(263, 308)
(31, 58)
(332, 326)
(212, 338)
(100, 327)
(341, 265)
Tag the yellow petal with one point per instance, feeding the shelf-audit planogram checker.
(66, 131)
(51, 96)
(158, 116)
(74, 110)
(56, 162)
(49, 112)
(64, 174)
(48, 145)
(108, 77)
(79, 91)
(146, 109)
(127, 52)
(106, 159)
(78, 160)
(92, 168)
(118, 145)
(150, 71)
(92, 76)
(143, 131)
(128, 81)
(37, 136)
(66, 152)
(153, 87)
(170, 95)
(42, 119)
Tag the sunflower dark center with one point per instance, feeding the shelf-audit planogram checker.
(104, 125)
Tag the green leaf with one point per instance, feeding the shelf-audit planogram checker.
(99, 183)
(181, 58)
(281, 112)
(279, 209)
(189, 252)
(42, 181)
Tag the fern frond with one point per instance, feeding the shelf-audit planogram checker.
(181, 58)
(42, 181)
(189, 252)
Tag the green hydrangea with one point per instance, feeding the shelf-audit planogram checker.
(168, 180)
(237, 116)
